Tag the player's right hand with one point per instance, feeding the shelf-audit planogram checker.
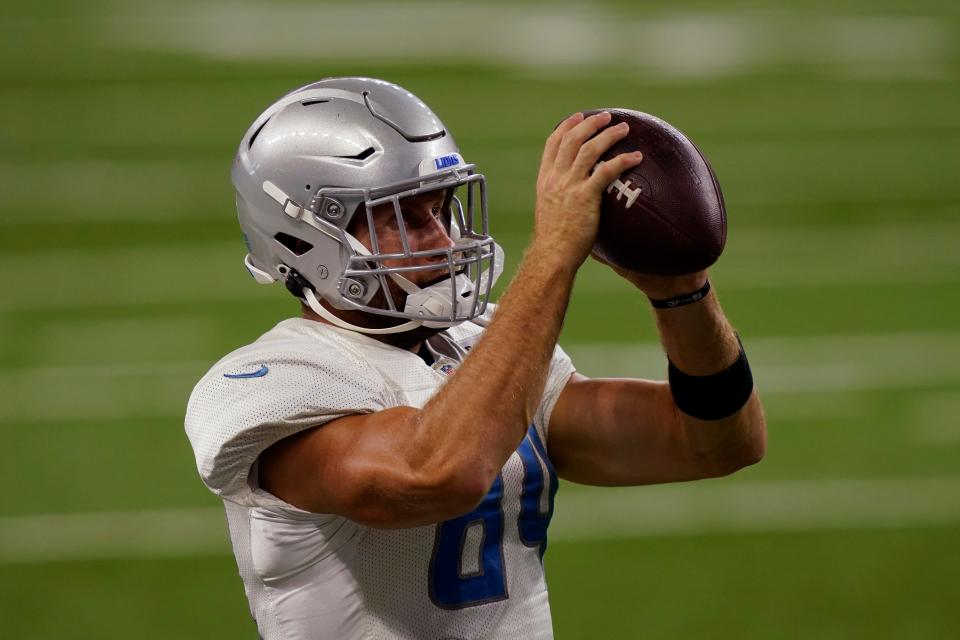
(569, 188)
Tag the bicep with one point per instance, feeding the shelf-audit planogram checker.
(620, 432)
(355, 466)
(310, 469)
(373, 468)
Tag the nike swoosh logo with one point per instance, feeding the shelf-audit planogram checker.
(259, 373)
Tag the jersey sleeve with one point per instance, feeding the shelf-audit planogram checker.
(561, 368)
(245, 404)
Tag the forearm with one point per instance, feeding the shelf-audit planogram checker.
(700, 342)
(482, 413)
(697, 337)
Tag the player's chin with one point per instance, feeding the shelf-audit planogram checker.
(435, 276)
(421, 279)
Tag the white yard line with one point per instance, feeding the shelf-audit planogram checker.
(128, 276)
(67, 394)
(712, 507)
(112, 534)
(541, 37)
(722, 506)
(118, 340)
(113, 191)
(807, 364)
(782, 365)
(860, 256)
(747, 275)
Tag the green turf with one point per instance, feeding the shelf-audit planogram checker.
(158, 598)
(829, 585)
(787, 586)
(121, 281)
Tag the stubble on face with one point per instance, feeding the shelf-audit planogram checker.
(383, 216)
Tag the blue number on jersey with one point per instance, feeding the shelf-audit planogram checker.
(452, 589)
(533, 521)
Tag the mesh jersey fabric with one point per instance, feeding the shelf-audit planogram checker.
(322, 576)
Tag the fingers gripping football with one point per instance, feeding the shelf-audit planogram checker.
(570, 183)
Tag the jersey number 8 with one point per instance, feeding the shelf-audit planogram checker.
(450, 586)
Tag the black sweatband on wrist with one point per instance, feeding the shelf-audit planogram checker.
(679, 301)
(715, 396)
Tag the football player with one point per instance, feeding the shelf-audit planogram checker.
(388, 460)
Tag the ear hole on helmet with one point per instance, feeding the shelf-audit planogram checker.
(296, 246)
(257, 133)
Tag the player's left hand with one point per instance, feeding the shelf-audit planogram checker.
(659, 287)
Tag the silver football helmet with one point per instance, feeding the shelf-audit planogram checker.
(333, 150)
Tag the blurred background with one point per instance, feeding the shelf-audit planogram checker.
(834, 129)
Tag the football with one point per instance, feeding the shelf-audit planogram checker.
(665, 216)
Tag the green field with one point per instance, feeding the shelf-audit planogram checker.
(833, 127)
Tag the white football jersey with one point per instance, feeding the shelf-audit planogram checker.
(318, 576)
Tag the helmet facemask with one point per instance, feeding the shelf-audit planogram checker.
(462, 273)
(375, 279)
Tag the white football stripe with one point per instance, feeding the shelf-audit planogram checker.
(112, 534)
(806, 364)
(783, 367)
(865, 256)
(134, 190)
(708, 507)
(127, 276)
(722, 506)
(542, 37)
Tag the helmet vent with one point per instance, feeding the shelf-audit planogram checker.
(257, 133)
(295, 245)
(396, 127)
(363, 155)
(307, 103)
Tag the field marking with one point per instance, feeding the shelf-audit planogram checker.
(720, 507)
(786, 367)
(112, 534)
(87, 181)
(702, 508)
(787, 256)
(670, 46)
(119, 340)
(129, 276)
(596, 280)
(862, 256)
(70, 393)
(852, 362)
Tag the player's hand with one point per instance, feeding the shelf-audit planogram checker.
(569, 189)
(659, 287)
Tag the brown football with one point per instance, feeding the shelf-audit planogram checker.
(665, 216)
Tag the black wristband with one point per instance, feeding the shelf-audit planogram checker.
(685, 299)
(716, 396)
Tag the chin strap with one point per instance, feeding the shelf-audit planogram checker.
(414, 292)
(325, 313)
